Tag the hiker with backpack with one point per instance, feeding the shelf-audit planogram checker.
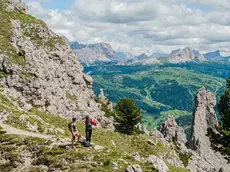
(88, 127)
(73, 129)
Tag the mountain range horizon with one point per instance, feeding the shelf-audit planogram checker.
(88, 54)
(82, 45)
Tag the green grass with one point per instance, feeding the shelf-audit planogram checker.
(86, 159)
(54, 157)
(2, 75)
(184, 157)
(70, 96)
(50, 123)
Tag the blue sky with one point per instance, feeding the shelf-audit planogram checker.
(55, 4)
(58, 4)
(139, 26)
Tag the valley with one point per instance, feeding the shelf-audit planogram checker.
(159, 90)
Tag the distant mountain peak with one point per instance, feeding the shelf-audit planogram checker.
(98, 52)
(185, 55)
(142, 56)
(125, 56)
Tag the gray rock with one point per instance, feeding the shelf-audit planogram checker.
(113, 143)
(115, 166)
(157, 134)
(10, 8)
(157, 163)
(174, 160)
(204, 117)
(136, 156)
(105, 100)
(185, 55)
(100, 52)
(174, 133)
(171, 131)
(98, 148)
(51, 78)
(142, 128)
(28, 107)
(19, 4)
(4, 115)
(151, 142)
(134, 168)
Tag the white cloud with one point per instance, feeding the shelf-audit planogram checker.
(143, 25)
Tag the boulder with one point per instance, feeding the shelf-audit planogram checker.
(174, 133)
(171, 131)
(142, 128)
(151, 142)
(157, 163)
(133, 168)
(98, 148)
(136, 156)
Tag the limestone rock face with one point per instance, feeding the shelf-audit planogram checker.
(105, 100)
(204, 117)
(19, 4)
(44, 72)
(203, 158)
(100, 52)
(158, 164)
(185, 55)
(142, 128)
(173, 133)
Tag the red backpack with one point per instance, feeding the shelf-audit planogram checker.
(94, 122)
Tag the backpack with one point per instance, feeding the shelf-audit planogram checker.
(85, 143)
(94, 122)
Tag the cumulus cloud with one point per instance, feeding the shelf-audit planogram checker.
(146, 26)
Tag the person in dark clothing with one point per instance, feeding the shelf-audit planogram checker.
(74, 131)
(88, 128)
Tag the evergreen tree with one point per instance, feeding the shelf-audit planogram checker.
(224, 106)
(127, 115)
(220, 141)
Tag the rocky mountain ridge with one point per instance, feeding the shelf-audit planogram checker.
(89, 55)
(215, 56)
(203, 158)
(39, 69)
(100, 52)
(185, 55)
(103, 52)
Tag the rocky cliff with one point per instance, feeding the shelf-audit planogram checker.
(185, 55)
(204, 117)
(201, 156)
(39, 69)
(215, 56)
(100, 52)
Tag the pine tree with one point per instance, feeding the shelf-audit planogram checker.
(224, 106)
(127, 115)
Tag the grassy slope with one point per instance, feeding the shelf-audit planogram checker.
(14, 147)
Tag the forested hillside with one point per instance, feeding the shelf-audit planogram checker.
(160, 89)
